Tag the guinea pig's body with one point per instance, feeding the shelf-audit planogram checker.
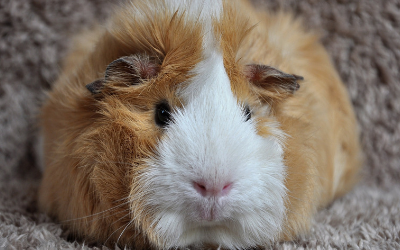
(176, 126)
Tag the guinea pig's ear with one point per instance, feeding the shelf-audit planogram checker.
(126, 71)
(96, 86)
(273, 83)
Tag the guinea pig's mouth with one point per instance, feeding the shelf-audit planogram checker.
(221, 234)
(211, 213)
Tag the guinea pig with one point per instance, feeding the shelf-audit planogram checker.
(196, 123)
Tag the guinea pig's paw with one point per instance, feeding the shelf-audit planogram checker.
(271, 82)
(126, 71)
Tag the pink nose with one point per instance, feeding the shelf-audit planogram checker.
(206, 189)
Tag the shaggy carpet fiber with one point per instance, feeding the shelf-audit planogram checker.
(363, 38)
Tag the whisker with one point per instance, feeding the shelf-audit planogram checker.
(122, 199)
(104, 217)
(88, 216)
(116, 231)
(121, 217)
(118, 162)
(124, 230)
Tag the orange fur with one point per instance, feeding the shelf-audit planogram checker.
(95, 149)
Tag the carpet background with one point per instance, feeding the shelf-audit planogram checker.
(363, 38)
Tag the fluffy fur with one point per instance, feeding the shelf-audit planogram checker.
(130, 178)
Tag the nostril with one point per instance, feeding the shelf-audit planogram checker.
(227, 186)
(200, 188)
(226, 189)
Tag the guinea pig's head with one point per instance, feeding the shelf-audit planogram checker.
(199, 156)
(189, 141)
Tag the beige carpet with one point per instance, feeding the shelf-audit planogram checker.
(363, 37)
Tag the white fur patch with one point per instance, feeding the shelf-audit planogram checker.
(201, 9)
(204, 11)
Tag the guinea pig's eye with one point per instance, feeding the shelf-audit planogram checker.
(163, 114)
(247, 113)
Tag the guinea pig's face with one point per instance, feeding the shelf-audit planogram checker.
(217, 172)
(201, 157)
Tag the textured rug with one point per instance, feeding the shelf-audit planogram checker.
(363, 38)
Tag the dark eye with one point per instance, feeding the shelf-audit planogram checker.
(247, 113)
(163, 114)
